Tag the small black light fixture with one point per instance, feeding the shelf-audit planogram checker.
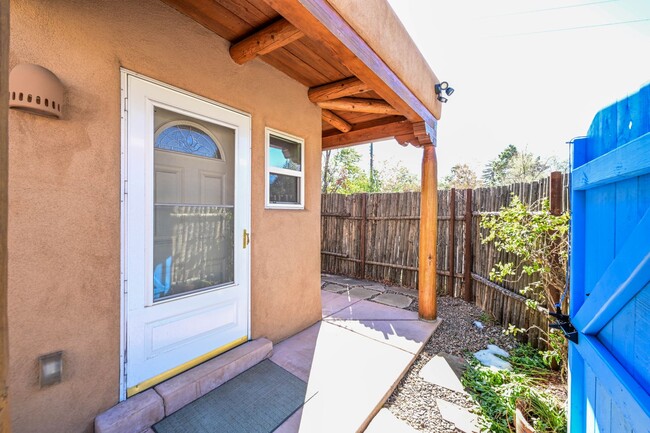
(443, 88)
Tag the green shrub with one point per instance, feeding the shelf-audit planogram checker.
(496, 392)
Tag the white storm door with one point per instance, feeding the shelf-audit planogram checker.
(186, 214)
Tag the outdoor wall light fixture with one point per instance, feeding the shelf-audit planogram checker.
(34, 89)
(443, 88)
(50, 369)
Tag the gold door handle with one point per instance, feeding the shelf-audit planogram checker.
(247, 238)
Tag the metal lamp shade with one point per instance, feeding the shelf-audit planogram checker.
(35, 89)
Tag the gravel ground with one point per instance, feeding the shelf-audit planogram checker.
(414, 400)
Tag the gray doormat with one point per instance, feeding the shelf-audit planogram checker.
(256, 401)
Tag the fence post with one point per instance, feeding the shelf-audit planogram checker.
(556, 193)
(362, 243)
(452, 252)
(467, 290)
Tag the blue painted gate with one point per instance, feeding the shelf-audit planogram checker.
(609, 380)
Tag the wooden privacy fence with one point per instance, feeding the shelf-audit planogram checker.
(375, 236)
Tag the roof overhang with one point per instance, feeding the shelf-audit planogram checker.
(356, 57)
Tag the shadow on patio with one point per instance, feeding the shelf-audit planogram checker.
(351, 361)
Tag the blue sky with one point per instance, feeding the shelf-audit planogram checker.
(532, 73)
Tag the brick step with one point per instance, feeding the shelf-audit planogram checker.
(138, 413)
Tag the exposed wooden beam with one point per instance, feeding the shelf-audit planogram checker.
(336, 121)
(4, 208)
(338, 89)
(269, 38)
(359, 105)
(426, 133)
(406, 139)
(319, 21)
(366, 135)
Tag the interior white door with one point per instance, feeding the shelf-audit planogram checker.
(186, 209)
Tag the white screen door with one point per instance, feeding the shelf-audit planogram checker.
(186, 210)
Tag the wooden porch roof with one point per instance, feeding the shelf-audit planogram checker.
(356, 58)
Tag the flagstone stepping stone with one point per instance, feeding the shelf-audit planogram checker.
(362, 293)
(374, 286)
(497, 350)
(334, 288)
(341, 280)
(489, 359)
(394, 300)
(440, 371)
(462, 418)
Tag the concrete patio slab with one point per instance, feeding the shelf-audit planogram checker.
(362, 293)
(333, 302)
(394, 300)
(367, 310)
(386, 422)
(403, 334)
(350, 374)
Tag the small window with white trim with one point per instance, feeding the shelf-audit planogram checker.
(285, 179)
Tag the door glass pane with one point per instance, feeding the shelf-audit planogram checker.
(193, 205)
(284, 153)
(284, 189)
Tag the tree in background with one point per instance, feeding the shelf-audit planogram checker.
(514, 166)
(461, 177)
(495, 171)
(395, 177)
(342, 174)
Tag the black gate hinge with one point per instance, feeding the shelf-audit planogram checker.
(563, 322)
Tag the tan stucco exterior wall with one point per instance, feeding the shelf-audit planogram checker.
(64, 222)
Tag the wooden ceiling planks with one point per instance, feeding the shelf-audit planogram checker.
(314, 59)
(312, 62)
(294, 66)
(214, 17)
(256, 14)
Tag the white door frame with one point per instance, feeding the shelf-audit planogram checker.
(244, 187)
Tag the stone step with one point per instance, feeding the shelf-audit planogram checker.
(138, 413)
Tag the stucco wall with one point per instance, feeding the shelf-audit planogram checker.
(64, 238)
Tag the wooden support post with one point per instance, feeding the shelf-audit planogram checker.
(556, 193)
(336, 121)
(362, 243)
(338, 89)
(359, 105)
(268, 39)
(428, 234)
(4, 206)
(467, 289)
(452, 231)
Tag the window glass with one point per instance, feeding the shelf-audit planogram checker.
(187, 138)
(284, 153)
(193, 205)
(284, 189)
